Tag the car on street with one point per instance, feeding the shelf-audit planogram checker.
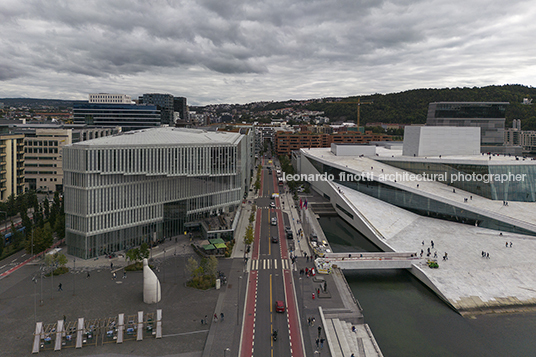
(275, 240)
(272, 204)
(279, 306)
(274, 221)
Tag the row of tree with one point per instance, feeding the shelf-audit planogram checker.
(48, 218)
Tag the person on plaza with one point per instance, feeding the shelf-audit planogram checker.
(322, 343)
(319, 330)
(221, 316)
(206, 319)
(59, 287)
(215, 318)
(87, 277)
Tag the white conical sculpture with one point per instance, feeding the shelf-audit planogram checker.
(151, 285)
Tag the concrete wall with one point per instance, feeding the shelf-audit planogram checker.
(441, 140)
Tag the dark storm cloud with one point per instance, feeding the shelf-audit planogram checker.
(266, 49)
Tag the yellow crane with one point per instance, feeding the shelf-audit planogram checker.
(359, 102)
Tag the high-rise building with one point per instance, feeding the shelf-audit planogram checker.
(164, 103)
(489, 116)
(143, 185)
(126, 116)
(181, 107)
(11, 165)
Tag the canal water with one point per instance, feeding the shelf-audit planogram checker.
(408, 319)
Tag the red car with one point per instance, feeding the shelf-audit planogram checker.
(279, 306)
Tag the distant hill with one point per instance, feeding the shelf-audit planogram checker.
(411, 107)
(37, 103)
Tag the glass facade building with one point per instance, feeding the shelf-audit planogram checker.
(413, 201)
(126, 116)
(140, 186)
(503, 190)
(489, 116)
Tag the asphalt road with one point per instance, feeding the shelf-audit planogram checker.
(271, 282)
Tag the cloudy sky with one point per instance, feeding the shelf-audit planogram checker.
(240, 51)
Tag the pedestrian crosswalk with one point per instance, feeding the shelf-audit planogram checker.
(264, 264)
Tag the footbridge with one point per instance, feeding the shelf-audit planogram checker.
(366, 260)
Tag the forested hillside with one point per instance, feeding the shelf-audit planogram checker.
(411, 107)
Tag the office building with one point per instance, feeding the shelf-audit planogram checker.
(139, 186)
(126, 116)
(489, 116)
(106, 98)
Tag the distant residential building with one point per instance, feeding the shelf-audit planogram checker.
(126, 116)
(286, 142)
(11, 165)
(106, 98)
(489, 116)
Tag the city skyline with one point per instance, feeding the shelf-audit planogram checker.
(213, 53)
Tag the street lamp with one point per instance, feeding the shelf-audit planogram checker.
(74, 281)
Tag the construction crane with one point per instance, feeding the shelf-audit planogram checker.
(359, 102)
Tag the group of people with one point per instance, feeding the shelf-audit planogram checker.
(214, 318)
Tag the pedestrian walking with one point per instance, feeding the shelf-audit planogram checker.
(317, 342)
(322, 343)
(87, 277)
(111, 265)
(506, 244)
(59, 287)
(510, 244)
(432, 243)
(319, 330)
(64, 318)
(124, 274)
(221, 317)
(353, 329)
(114, 276)
(206, 319)
(215, 318)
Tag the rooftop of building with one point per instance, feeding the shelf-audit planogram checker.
(520, 214)
(395, 154)
(164, 136)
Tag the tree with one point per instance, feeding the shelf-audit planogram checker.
(210, 265)
(144, 251)
(46, 208)
(249, 237)
(59, 226)
(193, 268)
(133, 255)
(42, 239)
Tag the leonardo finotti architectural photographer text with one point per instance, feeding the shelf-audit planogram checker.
(406, 176)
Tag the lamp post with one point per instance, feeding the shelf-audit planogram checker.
(74, 280)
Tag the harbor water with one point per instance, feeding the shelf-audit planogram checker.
(408, 319)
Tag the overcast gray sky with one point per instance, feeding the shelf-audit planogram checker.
(238, 51)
